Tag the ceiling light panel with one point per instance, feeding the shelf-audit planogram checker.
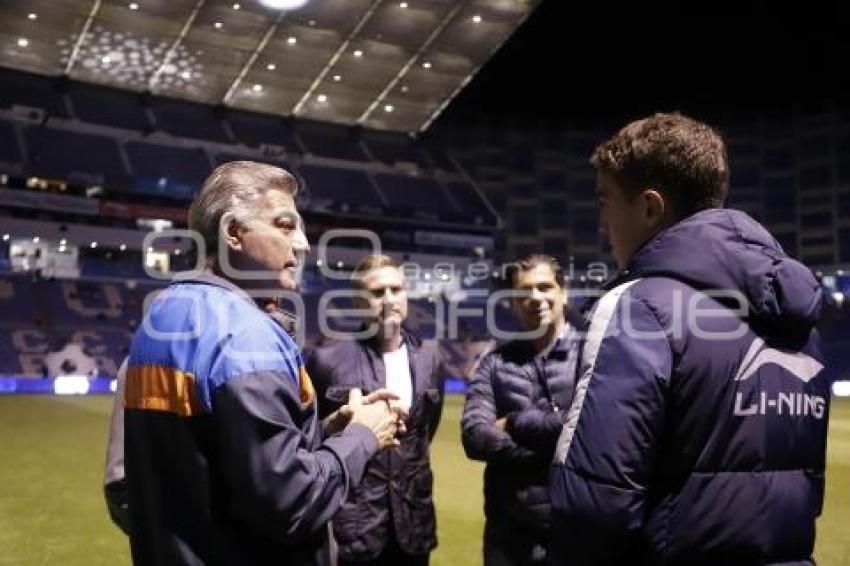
(135, 42)
(176, 42)
(36, 45)
(296, 67)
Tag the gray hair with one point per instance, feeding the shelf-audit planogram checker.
(237, 187)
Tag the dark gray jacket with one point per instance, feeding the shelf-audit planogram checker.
(395, 498)
(533, 392)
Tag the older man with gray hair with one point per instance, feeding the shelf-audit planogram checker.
(224, 453)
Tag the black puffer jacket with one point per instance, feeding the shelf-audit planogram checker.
(395, 496)
(533, 392)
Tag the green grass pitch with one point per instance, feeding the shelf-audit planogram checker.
(52, 511)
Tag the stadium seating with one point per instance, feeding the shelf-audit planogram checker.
(33, 91)
(188, 120)
(10, 152)
(331, 141)
(176, 172)
(395, 148)
(50, 153)
(255, 130)
(109, 107)
(413, 193)
(340, 185)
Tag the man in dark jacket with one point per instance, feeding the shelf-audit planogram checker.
(390, 518)
(514, 412)
(698, 428)
(224, 457)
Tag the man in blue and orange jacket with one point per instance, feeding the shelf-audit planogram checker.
(225, 457)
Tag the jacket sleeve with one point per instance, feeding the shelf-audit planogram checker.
(438, 382)
(482, 440)
(277, 482)
(537, 429)
(322, 376)
(605, 455)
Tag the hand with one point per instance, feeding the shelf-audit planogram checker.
(339, 419)
(502, 423)
(376, 416)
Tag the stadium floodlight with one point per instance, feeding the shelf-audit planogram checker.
(71, 385)
(284, 4)
(841, 388)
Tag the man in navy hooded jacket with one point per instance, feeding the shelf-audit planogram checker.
(698, 428)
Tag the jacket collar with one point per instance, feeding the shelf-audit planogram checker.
(284, 318)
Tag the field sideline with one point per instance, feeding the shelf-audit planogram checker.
(52, 511)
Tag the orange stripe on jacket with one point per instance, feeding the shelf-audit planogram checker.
(160, 388)
(307, 390)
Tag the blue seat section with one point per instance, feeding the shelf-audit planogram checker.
(340, 185)
(85, 303)
(9, 150)
(220, 158)
(470, 201)
(101, 267)
(63, 154)
(396, 148)
(175, 172)
(417, 193)
(441, 160)
(35, 91)
(331, 141)
(254, 129)
(17, 300)
(188, 120)
(110, 107)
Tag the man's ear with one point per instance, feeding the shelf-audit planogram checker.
(230, 230)
(655, 207)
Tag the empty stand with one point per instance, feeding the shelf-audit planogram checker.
(188, 120)
(10, 152)
(254, 130)
(395, 148)
(418, 193)
(66, 154)
(331, 141)
(176, 172)
(340, 185)
(31, 90)
(469, 200)
(109, 107)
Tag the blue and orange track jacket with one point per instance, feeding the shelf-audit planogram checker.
(224, 456)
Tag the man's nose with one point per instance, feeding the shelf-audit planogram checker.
(536, 295)
(300, 243)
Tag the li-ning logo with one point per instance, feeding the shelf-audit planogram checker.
(798, 364)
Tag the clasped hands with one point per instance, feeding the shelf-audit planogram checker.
(376, 411)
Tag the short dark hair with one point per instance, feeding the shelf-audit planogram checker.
(368, 263)
(529, 262)
(685, 160)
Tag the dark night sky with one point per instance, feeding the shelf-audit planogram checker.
(574, 62)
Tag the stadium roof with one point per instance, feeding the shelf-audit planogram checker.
(385, 64)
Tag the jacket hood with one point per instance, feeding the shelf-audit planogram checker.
(722, 249)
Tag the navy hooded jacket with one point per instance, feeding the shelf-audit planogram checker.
(697, 432)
